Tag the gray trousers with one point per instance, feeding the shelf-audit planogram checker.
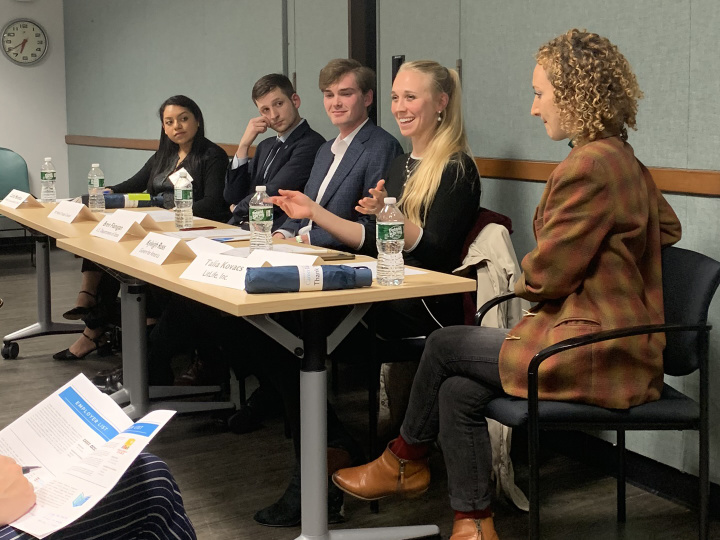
(457, 377)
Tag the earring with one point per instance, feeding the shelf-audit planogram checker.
(439, 116)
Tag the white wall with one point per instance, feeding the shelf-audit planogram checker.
(33, 118)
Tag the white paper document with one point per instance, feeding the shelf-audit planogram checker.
(233, 232)
(82, 443)
(372, 265)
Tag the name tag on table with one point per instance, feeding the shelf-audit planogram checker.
(69, 211)
(156, 248)
(141, 218)
(275, 258)
(115, 227)
(16, 197)
(218, 269)
(204, 245)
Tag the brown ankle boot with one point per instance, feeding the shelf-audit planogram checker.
(470, 529)
(385, 476)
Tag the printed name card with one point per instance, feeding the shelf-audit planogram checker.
(115, 227)
(218, 269)
(205, 245)
(141, 218)
(156, 248)
(16, 197)
(69, 211)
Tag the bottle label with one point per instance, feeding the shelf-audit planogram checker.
(390, 231)
(183, 194)
(96, 182)
(47, 175)
(261, 213)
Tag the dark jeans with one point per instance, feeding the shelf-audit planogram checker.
(457, 377)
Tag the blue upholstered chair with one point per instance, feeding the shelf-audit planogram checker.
(689, 284)
(13, 175)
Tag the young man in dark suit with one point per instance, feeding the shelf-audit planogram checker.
(281, 162)
(348, 166)
(345, 169)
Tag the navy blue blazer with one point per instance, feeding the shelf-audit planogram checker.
(365, 162)
(289, 170)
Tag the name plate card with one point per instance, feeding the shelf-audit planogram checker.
(141, 218)
(156, 248)
(278, 258)
(69, 211)
(218, 269)
(16, 197)
(115, 227)
(205, 245)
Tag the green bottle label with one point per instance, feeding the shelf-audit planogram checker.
(47, 175)
(183, 194)
(261, 213)
(97, 182)
(390, 231)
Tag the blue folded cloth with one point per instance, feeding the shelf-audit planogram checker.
(306, 278)
(119, 200)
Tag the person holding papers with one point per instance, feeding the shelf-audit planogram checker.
(145, 503)
(182, 146)
(600, 226)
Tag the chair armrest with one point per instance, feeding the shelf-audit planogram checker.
(487, 306)
(597, 337)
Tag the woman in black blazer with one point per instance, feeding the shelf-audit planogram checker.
(182, 145)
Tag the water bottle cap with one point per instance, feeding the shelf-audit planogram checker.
(260, 188)
(48, 159)
(95, 165)
(390, 200)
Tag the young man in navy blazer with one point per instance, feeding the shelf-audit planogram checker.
(348, 166)
(281, 162)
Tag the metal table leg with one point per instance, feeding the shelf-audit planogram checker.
(44, 325)
(313, 443)
(135, 389)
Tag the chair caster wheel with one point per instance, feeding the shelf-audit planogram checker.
(10, 350)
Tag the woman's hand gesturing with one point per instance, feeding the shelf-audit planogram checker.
(373, 205)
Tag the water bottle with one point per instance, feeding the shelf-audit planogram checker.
(390, 238)
(47, 182)
(96, 185)
(261, 220)
(183, 202)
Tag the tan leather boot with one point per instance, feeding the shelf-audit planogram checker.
(387, 475)
(470, 529)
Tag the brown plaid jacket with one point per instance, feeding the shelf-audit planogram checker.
(599, 227)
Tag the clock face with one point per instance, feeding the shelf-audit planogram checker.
(24, 42)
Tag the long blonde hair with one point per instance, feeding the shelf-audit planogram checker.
(447, 144)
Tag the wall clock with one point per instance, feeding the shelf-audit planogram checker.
(24, 42)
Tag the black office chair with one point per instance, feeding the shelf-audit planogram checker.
(689, 283)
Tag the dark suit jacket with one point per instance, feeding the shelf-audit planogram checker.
(365, 162)
(207, 173)
(289, 170)
(599, 228)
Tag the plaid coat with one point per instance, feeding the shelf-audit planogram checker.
(599, 227)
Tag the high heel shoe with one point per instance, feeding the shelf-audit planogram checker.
(78, 312)
(387, 475)
(102, 346)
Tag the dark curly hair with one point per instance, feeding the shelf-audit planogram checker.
(595, 87)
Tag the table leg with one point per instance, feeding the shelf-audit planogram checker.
(135, 389)
(44, 325)
(313, 443)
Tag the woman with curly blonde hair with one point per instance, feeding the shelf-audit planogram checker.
(599, 228)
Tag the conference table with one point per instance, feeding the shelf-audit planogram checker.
(313, 376)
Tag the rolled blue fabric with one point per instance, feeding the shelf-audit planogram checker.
(306, 278)
(119, 200)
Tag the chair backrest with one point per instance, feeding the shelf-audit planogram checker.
(13, 173)
(689, 284)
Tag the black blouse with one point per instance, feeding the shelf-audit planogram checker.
(449, 218)
(208, 182)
